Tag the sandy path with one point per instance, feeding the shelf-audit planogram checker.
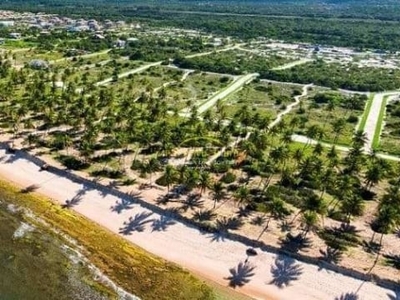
(127, 73)
(293, 64)
(233, 87)
(273, 124)
(89, 55)
(188, 247)
(305, 140)
(237, 84)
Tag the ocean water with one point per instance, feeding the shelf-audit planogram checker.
(34, 264)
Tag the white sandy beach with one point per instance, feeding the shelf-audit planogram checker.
(191, 249)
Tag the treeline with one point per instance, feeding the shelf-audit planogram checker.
(351, 9)
(339, 76)
(357, 34)
(317, 28)
(231, 62)
(157, 49)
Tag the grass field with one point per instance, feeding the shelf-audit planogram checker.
(265, 98)
(310, 113)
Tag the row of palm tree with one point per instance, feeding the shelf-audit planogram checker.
(273, 174)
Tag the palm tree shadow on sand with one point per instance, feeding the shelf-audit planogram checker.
(162, 223)
(30, 189)
(75, 200)
(136, 223)
(285, 271)
(240, 275)
(122, 204)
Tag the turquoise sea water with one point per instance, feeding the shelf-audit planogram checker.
(35, 266)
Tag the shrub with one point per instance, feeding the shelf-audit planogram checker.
(221, 167)
(228, 178)
(72, 162)
(352, 119)
(136, 165)
(109, 173)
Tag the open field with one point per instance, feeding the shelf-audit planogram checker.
(390, 138)
(265, 98)
(328, 116)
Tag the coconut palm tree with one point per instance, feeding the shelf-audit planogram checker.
(205, 181)
(309, 222)
(276, 209)
(170, 175)
(352, 206)
(242, 195)
(218, 192)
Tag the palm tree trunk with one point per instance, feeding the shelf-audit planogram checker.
(265, 228)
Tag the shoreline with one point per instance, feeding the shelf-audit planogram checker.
(214, 260)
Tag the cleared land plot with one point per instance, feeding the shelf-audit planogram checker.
(390, 138)
(335, 75)
(23, 57)
(234, 62)
(98, 73)
(331, 117)
(146, 81)
(197, 88)
(268, 99)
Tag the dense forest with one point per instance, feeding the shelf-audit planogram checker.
(348, 23)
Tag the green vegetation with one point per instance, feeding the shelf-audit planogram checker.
(130, 267)
(267, 99)
(328, 116)
(335, 76)
(145, 129)
(36, 265)
(390, 138)
(232, 62)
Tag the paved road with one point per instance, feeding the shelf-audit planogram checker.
(89, 55)
(293, 64)
(305, 140)
(237, 84)
(127, 73)
(145, 67)
(371, 124)
(217, 51)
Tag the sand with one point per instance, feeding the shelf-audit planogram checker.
(273, 277)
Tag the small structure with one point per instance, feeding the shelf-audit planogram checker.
(99, 36)
(15, 35)
(132, 40)
(120, 44)
(7, 23)
(2, 41)
(38, 64)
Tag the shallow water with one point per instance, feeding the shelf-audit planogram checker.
(33, 265)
